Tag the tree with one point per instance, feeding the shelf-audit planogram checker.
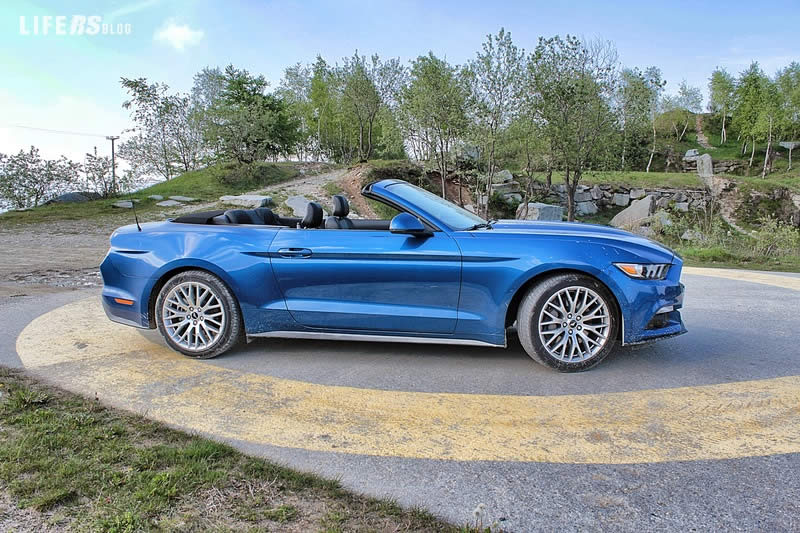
(98, 175)
(295, 89)
(721, 87)
(749, 99)
(495, 76)
(573, 83)
(788, 84)
(436, 98)
(167, 140)
(27, 180)
(247, 123)
(678, 109)
(769, 121)
(637, 102)
(368, 86)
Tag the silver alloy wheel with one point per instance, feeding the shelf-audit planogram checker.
(574, 324)
(193, 316)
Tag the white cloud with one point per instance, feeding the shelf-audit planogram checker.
(179, 36)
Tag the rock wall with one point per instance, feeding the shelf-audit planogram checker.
(590, 199)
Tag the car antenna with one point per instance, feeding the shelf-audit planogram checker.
(133, 206)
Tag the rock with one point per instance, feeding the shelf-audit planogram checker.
(637, 213)
(679, 196)
(583, 196)
(662, 202)
(596, 193)
(585, 208)
(69, 198)
(156, 197)
(512, 197)
(644, 231)
(124, 204)
(661, 218)
(182, 199)
(637, 193)
(692, 235)
(682, 206)
(796, 200)
(621, 199)
(560, 188)
(502, 188)
(504, 176)
(247, 200)
(691, 155)
(169, 203)
(540, 211)
(298, 205)
(705, 166)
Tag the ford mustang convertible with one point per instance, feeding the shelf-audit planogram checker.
(434, 273)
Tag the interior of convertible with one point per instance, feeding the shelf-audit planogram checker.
(313, 219)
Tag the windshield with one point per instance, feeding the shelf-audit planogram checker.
(455, 217)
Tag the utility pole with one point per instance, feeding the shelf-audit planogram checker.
(113, 138)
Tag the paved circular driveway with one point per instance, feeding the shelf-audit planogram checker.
(727, 389)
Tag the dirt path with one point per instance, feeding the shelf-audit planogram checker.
(702, 140)
(312, 187)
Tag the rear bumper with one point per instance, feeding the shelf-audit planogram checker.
(116, 286)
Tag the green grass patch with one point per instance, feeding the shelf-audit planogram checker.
(645, 180)
(89, 467)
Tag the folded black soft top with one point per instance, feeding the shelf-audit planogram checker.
(203, 217)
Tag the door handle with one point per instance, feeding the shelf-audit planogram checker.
(294, 252)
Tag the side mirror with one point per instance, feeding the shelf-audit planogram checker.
(406, 224)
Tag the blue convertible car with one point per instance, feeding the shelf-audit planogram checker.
(435, 273)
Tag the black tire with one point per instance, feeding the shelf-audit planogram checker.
(232, 329)
(530, 314)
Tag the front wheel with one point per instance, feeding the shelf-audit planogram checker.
(197, 315)
(568, 322)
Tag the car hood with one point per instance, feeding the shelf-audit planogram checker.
(576, 230)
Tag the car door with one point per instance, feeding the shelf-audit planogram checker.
(368, 279)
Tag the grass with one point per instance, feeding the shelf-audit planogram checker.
(206, 184)
(631, 179)
(89, 467)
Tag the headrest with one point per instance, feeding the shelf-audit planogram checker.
(313, 217)
(267, 216)
(341, 207)
(241, 216)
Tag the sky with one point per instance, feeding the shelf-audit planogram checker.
(54, 77)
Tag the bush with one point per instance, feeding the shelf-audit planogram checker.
(775, 238)
(255, 175)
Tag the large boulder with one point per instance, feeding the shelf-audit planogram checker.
(69, 198)
(247, 200)
(540, 211)
(585, 208)
(504, 176)
(621, 199)
(506, 187)
(637, 193)
(636, 214)
(705, 166)
(583, 196)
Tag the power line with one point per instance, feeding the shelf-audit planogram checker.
(63, 132)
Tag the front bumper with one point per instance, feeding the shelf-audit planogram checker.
(650, 309)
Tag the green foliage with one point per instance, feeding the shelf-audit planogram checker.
(255, 175)
(247, 124)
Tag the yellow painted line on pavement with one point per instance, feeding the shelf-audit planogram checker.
(776, 280)
(77, 347)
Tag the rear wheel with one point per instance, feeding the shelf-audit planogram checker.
(568, 322)
(197, 315)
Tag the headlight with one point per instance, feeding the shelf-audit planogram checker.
(644, 271)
